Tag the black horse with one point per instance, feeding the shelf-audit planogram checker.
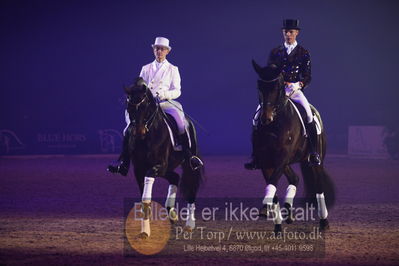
(152, 152)
(280, 141)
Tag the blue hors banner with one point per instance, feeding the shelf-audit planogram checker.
(56, 142)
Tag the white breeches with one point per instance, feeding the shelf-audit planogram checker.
(300, 98)
(174, 108)
(297, 97)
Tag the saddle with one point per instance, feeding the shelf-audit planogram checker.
(300, 111)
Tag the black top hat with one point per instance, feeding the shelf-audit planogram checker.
(290, 24)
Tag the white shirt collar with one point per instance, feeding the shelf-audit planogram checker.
(290, 47)
(159, 64)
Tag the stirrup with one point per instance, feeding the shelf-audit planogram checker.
(251, 166)
(314, 159)
(119, 169)
(197, 164)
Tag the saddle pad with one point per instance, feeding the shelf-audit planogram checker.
(316, 119)
(176, 147)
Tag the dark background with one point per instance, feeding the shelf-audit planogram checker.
(63, 64)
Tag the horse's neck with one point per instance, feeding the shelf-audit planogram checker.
(158, 124)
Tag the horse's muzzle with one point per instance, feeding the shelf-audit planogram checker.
(140, 131)
(267, 118)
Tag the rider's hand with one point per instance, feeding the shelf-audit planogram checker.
(163, 95)
(296, 86)
(291, 88)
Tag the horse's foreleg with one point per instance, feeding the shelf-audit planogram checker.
(293, 180)
(146, 200)
(270, 201)
(146, 207)
(276, 214)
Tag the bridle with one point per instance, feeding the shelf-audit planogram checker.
(280, 103)
(150, 120)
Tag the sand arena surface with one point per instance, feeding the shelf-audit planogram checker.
(68, 210)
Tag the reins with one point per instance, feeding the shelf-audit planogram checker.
(150, 121)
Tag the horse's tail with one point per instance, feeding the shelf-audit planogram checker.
(191, 179)
(311, 177)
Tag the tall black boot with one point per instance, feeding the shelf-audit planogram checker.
(123, 163)
(253, 164)
(314, 157)
(195, 161)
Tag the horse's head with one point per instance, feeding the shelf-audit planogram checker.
(271, 91)
(141, 107)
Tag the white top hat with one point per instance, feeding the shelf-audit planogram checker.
(161, 41)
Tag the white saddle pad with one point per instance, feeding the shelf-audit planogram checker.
(316, 119)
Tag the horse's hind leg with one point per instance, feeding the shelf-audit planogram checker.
(313, 177)
(189, 185)
(321, 201)
(173, 179)
(293, 180)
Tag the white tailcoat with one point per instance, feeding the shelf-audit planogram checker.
(166, 78)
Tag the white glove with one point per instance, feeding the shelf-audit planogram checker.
(164, 95)
(291, 88)
(296, 85)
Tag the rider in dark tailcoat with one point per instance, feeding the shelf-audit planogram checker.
(294, 62)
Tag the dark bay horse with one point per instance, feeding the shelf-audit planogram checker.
(280, 142)
(153, 155)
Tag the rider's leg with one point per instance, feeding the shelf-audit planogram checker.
(253, 164)
(123, 163)
(300, 98)
(175, 109)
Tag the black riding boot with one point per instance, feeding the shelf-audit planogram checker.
(123, 163)
(253, 164)
(195, 161)
(314, 157)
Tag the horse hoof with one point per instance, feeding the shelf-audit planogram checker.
(188, 229)
(263, 212)
(289, 217)
(324, 225)
(277, 229)
(172, 214)
(143, 236)
(289, 220)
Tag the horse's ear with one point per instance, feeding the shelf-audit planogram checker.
(257, 67)
(273, 71)
(126, 89)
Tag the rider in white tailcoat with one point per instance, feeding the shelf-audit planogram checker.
(163, 80)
